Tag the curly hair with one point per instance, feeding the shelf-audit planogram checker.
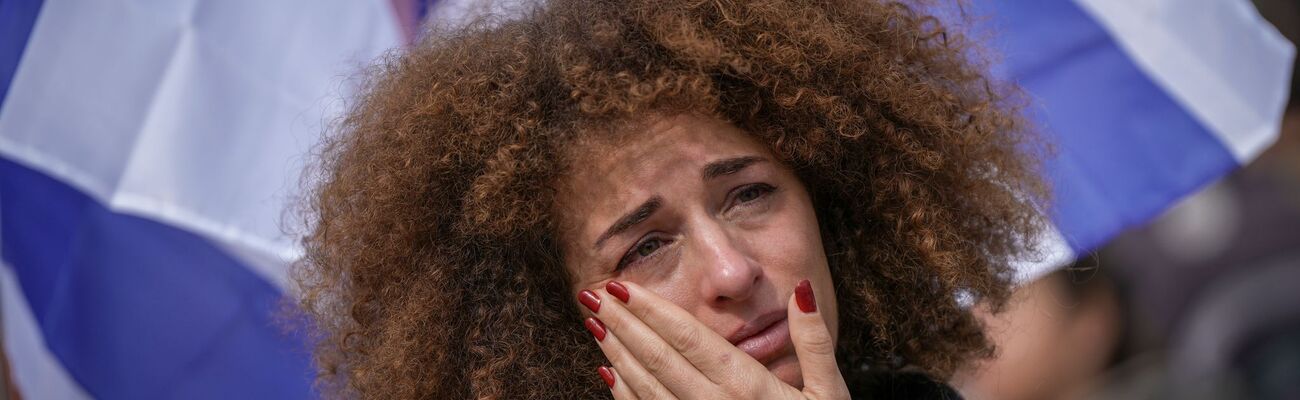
(432, 268)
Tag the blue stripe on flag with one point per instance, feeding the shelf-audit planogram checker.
(1126, 149)
(137, 309)
(16, 20)
(422, 11)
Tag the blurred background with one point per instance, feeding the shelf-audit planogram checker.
(150, 152)
(1201, 303)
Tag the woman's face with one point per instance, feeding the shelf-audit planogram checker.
(705, 216)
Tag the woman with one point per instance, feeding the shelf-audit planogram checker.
(736, 199)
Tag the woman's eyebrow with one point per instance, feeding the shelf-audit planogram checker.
(641, 213)
(645, 210)
(729, 166)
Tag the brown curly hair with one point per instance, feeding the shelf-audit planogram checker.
(432, 269)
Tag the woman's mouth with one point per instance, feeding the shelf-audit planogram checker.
(764, 337)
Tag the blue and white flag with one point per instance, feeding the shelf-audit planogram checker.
(148, 150)
(1146, 102)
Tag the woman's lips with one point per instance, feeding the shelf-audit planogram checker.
(764, 337)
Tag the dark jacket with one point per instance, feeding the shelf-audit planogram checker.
(898, 385)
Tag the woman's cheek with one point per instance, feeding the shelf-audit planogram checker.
(787, 243)
(667, 276)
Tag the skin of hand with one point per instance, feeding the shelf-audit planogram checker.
(660, 351)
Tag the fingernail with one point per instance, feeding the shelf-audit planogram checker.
(590, 299)
(617, 289)
(803, 296)
(596, 327)
(607, 375)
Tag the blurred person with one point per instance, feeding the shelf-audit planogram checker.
(1217, 275)
(728, 197)
(1199, 304)
(1214, 280)
(1190, 306)
(1057, 337)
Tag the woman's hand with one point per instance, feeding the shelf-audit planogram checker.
(659, 351)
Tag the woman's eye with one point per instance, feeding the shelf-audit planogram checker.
(644, 249)
(647, 247)
(753, 192)
(748, 195)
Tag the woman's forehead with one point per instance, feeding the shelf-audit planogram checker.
(691, 136)
(663, 148)
(668, 158)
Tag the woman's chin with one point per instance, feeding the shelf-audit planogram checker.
(787, 369)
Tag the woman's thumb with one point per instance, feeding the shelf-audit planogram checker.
(814, 346)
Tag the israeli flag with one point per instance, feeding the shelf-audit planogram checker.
(148, 150)
(1146, 101)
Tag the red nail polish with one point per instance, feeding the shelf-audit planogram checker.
(617, 289)
(596, 327)
(590, 299)
(607, 375)
(803, 296)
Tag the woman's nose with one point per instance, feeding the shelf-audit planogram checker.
(730, 272)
